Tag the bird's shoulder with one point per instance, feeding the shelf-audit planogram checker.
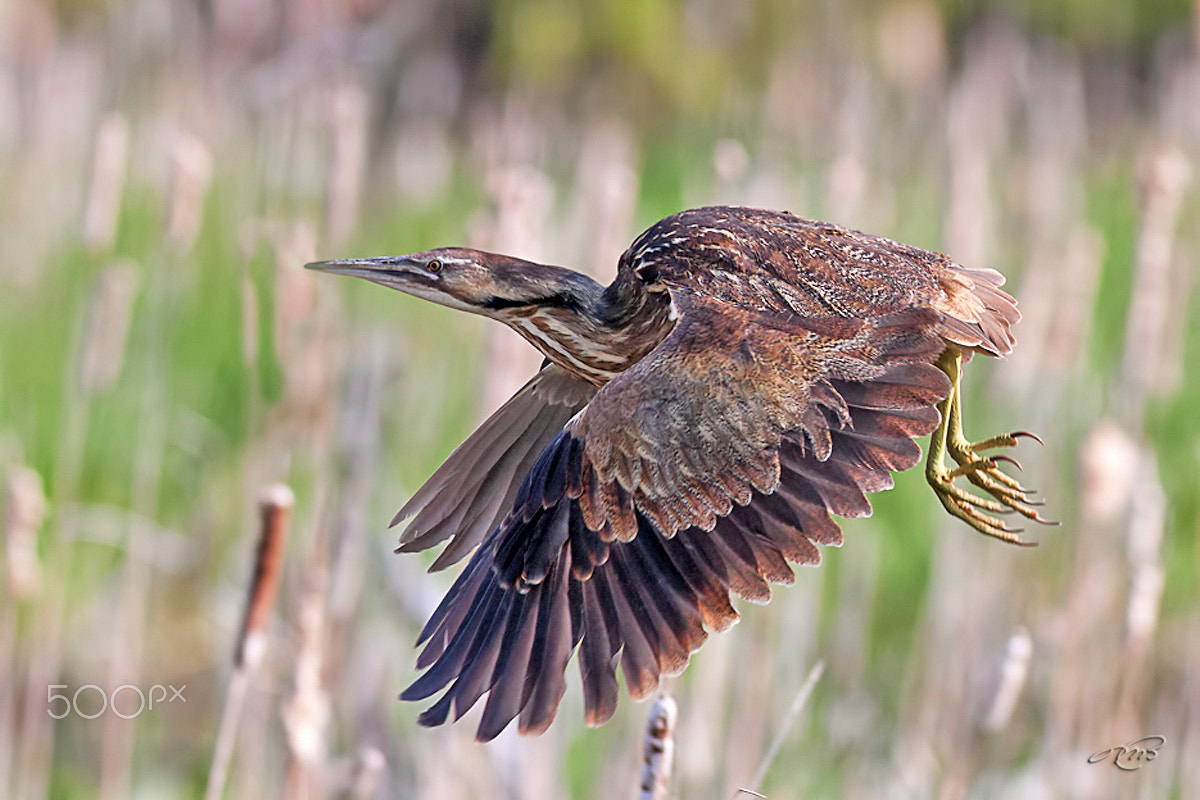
(777, 261)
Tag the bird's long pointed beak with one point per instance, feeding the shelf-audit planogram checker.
(406, 274)
(370, 268)
(394, 272)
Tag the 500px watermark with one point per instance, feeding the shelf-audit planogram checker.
(96, 701)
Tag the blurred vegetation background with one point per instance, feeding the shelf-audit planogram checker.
(167, 167)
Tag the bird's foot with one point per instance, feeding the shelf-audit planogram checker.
(1004, 493)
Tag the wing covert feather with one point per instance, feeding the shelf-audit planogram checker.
(694, 428)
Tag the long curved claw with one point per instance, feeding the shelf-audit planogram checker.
(986, 475)
(1003, 494)
(976, 511)
(965, 506)
(1027, 435)
(1008, 460)
(1004, 440)
(1007, 492)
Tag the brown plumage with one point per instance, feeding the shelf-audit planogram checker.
(747, 375)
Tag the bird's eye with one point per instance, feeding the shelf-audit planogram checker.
(434, 266)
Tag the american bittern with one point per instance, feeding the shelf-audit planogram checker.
(746, 375)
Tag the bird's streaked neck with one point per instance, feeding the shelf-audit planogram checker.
(595, 335)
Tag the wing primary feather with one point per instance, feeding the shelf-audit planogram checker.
(883, 453)
(504, 699)
(449, 663)
(644, 613)
(710, 596)
(437, 713)
(542, 552)
(588, 548)
(545, 681)
(771, 563)
(670, 585)
(779, 521)
(815, 521)
(456, 604)
(639, 660)
(598, 652)
(738, 557)
(555, 488)
(841, 495)
(477, 675)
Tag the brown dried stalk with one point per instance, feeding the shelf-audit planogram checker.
(275, 511)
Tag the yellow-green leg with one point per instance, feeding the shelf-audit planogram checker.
(1004, 494)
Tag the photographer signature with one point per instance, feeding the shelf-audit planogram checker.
(1130, 757)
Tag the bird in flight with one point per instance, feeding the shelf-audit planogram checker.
(748, 374)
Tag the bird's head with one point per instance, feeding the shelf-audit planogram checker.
(470, 280)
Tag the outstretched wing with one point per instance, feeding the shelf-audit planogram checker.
(472, 491)
(699, 472)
